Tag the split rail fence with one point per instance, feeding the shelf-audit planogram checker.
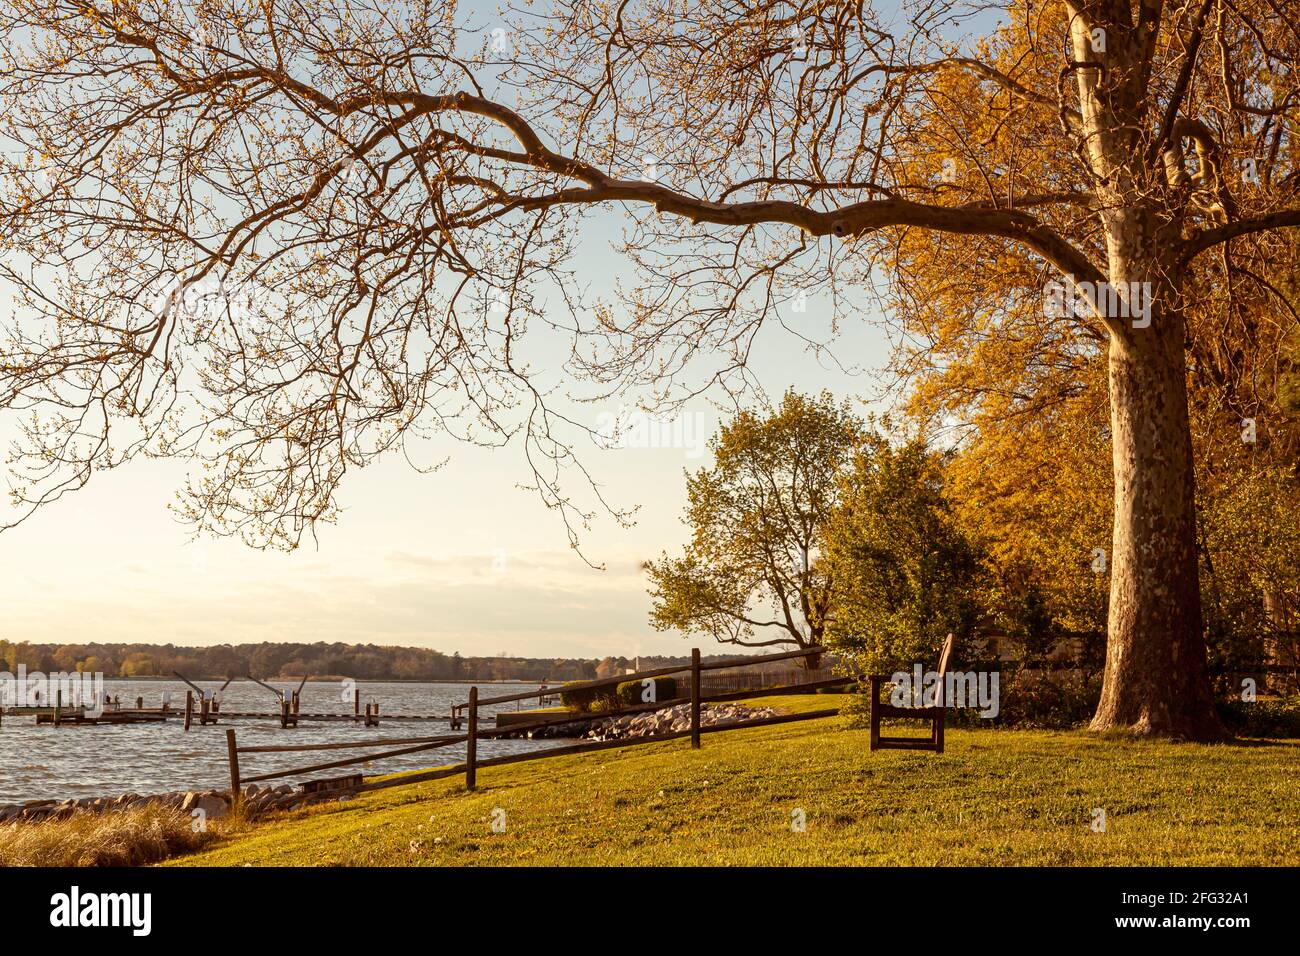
(474, 733)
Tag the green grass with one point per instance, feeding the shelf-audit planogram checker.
(995, 798)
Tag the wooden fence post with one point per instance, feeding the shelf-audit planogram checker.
(695, 698)
(233, 752)
(471, 743)
(189, 708)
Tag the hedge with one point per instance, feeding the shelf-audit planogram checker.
(635, 692)
(627, 694)
(586, 699)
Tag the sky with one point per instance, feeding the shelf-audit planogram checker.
(457, 560)
(460, 560)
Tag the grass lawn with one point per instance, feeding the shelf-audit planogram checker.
(994, 798)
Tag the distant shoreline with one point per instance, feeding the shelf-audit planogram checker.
(359, 680)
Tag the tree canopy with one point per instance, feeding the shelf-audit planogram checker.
(753, 573)
(906, 573)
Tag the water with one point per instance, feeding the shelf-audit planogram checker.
(39, 763)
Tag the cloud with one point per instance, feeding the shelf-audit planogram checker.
(542, 604)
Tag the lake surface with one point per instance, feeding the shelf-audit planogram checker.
(45, 762)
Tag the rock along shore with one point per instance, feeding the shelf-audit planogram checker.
(258, 802)
(667, 720)
(213, 804)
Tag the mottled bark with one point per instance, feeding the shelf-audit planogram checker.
(1156, 678)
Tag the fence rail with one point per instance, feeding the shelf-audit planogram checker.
(472, 764)
(714, 682)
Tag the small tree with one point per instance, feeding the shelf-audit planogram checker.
(905, 573)
(752, 574)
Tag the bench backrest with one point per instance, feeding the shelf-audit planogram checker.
(945, 656)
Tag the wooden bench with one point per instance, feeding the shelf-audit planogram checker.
(934, 714)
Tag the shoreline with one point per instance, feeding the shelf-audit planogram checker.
(287, 797)
(328, 679)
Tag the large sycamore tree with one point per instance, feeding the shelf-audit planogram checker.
(400, 179)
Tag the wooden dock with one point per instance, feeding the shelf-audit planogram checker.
(79, 718)
(203, 707)
(274, 715)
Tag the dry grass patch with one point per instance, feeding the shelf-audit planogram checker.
(131, 837)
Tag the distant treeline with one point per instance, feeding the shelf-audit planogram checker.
(363, 661)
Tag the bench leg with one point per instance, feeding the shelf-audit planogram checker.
(875, 714)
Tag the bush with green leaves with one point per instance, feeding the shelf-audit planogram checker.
(905, 573)
(1027, 698)
(647, 690)
(1039, 699)
(1264, 717)
(1044, 699)
(588, 699)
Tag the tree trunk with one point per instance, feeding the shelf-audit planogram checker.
(1156, 680)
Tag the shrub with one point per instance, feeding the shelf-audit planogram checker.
(1265, 717)
(1045, 700)
(587, 699)
(856, 711)
(1035, 699)
(633, 692)
(1062, 700)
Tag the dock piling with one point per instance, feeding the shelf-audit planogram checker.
(233, 752)
(471, 742)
